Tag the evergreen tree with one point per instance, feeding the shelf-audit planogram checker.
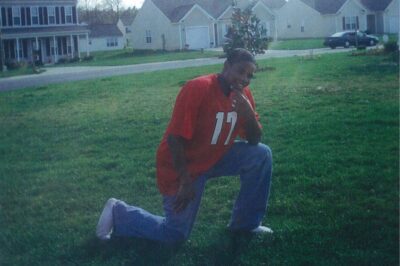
(245, 32)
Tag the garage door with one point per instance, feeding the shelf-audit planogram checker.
(394, 24)
(197, 37)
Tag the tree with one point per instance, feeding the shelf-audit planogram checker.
(246, 32)
(114, 5)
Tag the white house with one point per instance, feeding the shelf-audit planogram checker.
(104, 37)
(197, 24)
(192, 24)
(124, 24)
(49, 27)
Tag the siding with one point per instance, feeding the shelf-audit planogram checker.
(151, 18)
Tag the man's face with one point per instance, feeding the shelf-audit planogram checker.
(239, 75)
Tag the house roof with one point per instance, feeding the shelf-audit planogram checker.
(104, 30)
(175, 10)
(333, 6)
(376, 5)
(127, 19)
(325, 6)
(273, 4)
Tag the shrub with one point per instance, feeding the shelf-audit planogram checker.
(246, 32)
(88, 58)
(74, 60)
(62, 61)
(15, 65)
(391, 46)
(146, 51)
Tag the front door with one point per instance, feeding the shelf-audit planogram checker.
(371, 24)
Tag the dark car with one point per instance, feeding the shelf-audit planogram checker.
(350, 38)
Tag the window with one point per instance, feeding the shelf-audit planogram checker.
(35, 15)
(225, 29)
(148, 36)
(263, 29)
(350, 23)
(52, 47)
(68, 14)
(69, 46)
(112, 42)
(16, 13)
(52, 14)
(3, 17)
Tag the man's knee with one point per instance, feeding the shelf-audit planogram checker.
(262, 152)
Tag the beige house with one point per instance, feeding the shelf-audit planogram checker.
(103, 37)
(124, 24)
(192, 24)
(199, 24)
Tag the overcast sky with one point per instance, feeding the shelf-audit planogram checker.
(132, 3)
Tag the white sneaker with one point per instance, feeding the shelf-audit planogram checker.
(262, 230)
(105, 225)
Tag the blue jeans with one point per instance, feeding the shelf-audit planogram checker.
(254, 165)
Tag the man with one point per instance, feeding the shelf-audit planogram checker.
(199, 144)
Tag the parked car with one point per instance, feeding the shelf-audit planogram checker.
(350, 38)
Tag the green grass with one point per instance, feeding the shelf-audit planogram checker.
(127, 57)
(332, 123)
(297, 44)
(26, 70)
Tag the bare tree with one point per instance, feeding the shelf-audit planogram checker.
(114, 5)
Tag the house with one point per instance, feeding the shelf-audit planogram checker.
(104, 37)
(200, 24)
(193, 24)
(320, 18)
(124, 24)
(40, 30)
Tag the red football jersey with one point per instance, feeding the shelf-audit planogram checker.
(204, 116)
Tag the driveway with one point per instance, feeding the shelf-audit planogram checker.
(67, 74)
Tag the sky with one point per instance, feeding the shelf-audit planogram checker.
(132, 3)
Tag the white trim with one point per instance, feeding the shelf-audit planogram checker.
(356, 2)
(72, 17)
(180, 36)
(191, 10)
(16, 9)
(265, 7)
(223, 13)
(213, 34)
(54, 15)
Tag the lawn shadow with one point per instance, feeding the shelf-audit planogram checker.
(227, 249)
(132, 251)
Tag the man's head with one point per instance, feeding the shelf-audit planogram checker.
(239, 68)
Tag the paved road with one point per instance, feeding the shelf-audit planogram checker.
(67, 74)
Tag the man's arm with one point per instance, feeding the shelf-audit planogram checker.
(186, 190)
(244, 109)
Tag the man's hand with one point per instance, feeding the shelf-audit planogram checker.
(185, 195)
(243, 108)
(242, 105)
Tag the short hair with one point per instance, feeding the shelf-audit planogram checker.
(239, 55)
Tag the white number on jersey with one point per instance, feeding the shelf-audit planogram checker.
(220, 117)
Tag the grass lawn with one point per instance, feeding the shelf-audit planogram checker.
(297, 44)
(126, 57)
(26, 70)
(333, 126)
